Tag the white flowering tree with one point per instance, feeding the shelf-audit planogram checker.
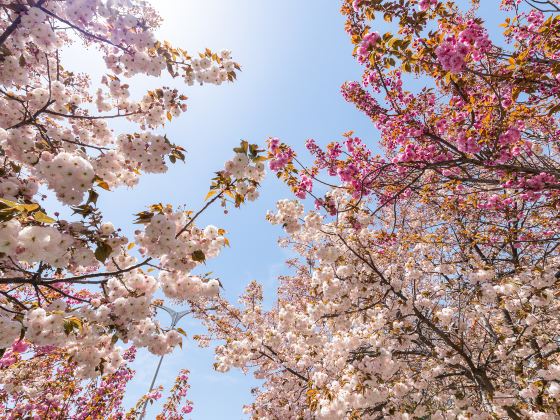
(73, 285)
(425, 283)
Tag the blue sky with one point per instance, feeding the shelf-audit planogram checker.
(295, 55)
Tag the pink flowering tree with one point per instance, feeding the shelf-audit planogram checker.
(426, 280)
(46, 386)
(72, 289)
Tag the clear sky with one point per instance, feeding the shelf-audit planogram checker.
(295, 55)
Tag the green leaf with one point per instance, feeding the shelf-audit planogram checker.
(43, 218)
(92, 197)
(83, 210)
(31, 207)
(102, 252)
(210, 194)
(242, 148)
(104, 185)
(143, 217)
(176, 154)
(198, 256)
(12, 204)
(72, 324)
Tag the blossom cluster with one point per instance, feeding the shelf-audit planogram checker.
(426, 4)
(452, 52)
(366, 46)
(338, 335)
(72, 293)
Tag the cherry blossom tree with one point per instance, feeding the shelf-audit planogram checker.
(46, 386)
(426, 280)
(73, 288)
